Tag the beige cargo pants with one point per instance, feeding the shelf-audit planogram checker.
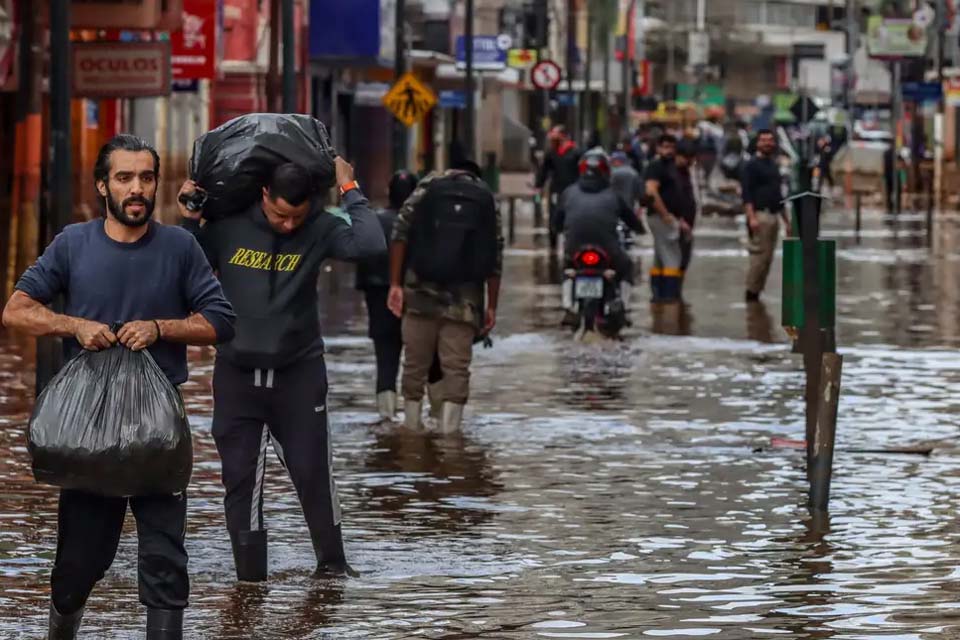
(762, 245)
(424, 336)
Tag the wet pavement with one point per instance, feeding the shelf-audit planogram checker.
(614, 490)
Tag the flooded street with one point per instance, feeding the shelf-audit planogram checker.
(598, 490)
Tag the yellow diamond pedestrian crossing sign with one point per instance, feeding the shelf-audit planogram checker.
(409, 100)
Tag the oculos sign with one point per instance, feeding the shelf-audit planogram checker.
(121, 69)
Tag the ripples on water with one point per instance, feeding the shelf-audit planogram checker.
(598, 491)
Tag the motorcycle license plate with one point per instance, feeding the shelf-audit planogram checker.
(589, 288)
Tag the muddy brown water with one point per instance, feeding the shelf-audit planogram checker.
(597, 490)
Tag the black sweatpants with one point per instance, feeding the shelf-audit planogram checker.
(88, 532)
(287, 407)
(388, 341)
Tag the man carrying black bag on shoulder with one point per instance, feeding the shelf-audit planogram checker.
(270, 383)
(445, 258)
(154, 277)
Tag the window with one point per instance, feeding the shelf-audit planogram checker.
(750, 12)
(777, 13)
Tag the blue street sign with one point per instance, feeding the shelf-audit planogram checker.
(922, 91)
(451, 99)
(489, 54)
(184, 86)
(566, 99)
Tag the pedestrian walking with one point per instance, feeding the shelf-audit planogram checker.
(124, 267)
(373, 279)
(626, 181)
(668, 200)
(445, 263)
(763, 202)
(270, 383)
(561, 167)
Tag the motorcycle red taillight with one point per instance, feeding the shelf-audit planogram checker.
(590, 258)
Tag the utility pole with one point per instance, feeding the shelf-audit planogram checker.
(853, 33)
(701, 28)
(289, 58)
(571, 47)
(273, 64)
(605, 103)
(586, 110)
(635, 14)
(399, 68)
(49, 354)
(469, 129)
(543, 30)
(938, 119)
(897, 115)
(24, 227)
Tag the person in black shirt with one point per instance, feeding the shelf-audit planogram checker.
(663, 185)
(763, 203)
(561, 166)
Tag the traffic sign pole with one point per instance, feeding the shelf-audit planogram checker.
(399, 68)
(470, 112)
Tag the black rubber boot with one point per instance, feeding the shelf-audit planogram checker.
(164, 624)
(250, 554)
(64, 627)
(331, 562)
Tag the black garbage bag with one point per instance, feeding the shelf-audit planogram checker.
(111, 423)
(233, 162)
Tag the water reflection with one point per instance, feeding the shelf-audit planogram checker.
(422, 477)
(760, 325)
(671, 318)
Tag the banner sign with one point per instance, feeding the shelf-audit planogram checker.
(194, 46)
(121, 69)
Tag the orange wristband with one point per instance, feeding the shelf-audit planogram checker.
(350, 186)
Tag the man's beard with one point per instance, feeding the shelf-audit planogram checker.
(119, 210)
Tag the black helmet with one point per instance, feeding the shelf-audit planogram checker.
(402, 184)
(595, 163)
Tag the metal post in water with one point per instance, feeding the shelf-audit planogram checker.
(821, 464)
(811, 341)
(512, 221)
(858, 198)
(470, 114)
(49, 354)
(399, 68)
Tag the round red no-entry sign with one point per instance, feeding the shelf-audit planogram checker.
(545, 75)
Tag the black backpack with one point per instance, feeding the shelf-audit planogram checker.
(454, 233)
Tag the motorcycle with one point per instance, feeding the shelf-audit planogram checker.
(592, 290)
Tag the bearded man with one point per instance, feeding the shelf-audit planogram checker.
(155, 282)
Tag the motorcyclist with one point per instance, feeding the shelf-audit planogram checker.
(588, 213)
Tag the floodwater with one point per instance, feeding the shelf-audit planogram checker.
(623, 490)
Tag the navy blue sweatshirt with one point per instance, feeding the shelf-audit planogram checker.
(271, 278)
(162, 276)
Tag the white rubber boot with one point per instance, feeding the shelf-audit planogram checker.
(566, 295)
(435, 394)
(387, 405)
(452, 418)
(625, 289)
(411, 414)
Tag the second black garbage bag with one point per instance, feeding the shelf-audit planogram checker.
(111, 423)
(234, 161)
